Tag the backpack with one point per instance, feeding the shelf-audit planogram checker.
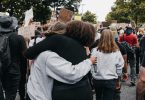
(130, 51)
(5, 57)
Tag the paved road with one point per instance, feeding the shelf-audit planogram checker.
(127, 93)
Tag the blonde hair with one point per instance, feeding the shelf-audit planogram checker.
(107, 43)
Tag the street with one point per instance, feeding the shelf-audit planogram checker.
(127, 93)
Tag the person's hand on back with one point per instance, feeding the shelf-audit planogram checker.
(93, 60)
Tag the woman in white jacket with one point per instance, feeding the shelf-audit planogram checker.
(108, 67)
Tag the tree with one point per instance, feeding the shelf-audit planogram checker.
(18, 7)
(119, 12)
(128, 11)
(41, 8)
(89, 17)
(138, 11)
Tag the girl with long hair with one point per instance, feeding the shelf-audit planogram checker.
(108, 67)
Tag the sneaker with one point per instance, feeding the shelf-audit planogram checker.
(132, 84)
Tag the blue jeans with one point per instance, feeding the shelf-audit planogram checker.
(132, 63)
(104, 89)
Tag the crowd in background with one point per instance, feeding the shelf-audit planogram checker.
(68, 60)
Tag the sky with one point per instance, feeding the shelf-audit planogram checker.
(100, 7)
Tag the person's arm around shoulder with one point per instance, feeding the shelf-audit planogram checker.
(46, 44)
(49, 43)
(63, 71)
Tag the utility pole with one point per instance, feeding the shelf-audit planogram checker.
(83, 8)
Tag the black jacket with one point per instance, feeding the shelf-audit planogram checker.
(17, 46)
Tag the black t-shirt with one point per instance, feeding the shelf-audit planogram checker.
(143, 61)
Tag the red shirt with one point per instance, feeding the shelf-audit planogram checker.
(131, 39)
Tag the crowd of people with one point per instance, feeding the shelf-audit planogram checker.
(69, 60)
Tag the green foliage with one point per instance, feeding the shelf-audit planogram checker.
(89, 17)
(41, 9)
(41, 13)
(128, 11)
(18, 7)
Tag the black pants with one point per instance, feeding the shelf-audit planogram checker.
(137, 52)
(132, 63)
(22, 89)
(1, 91)
(104, 89)
(78, 91)
(22, 85)
(141, 56)
(10, 84)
